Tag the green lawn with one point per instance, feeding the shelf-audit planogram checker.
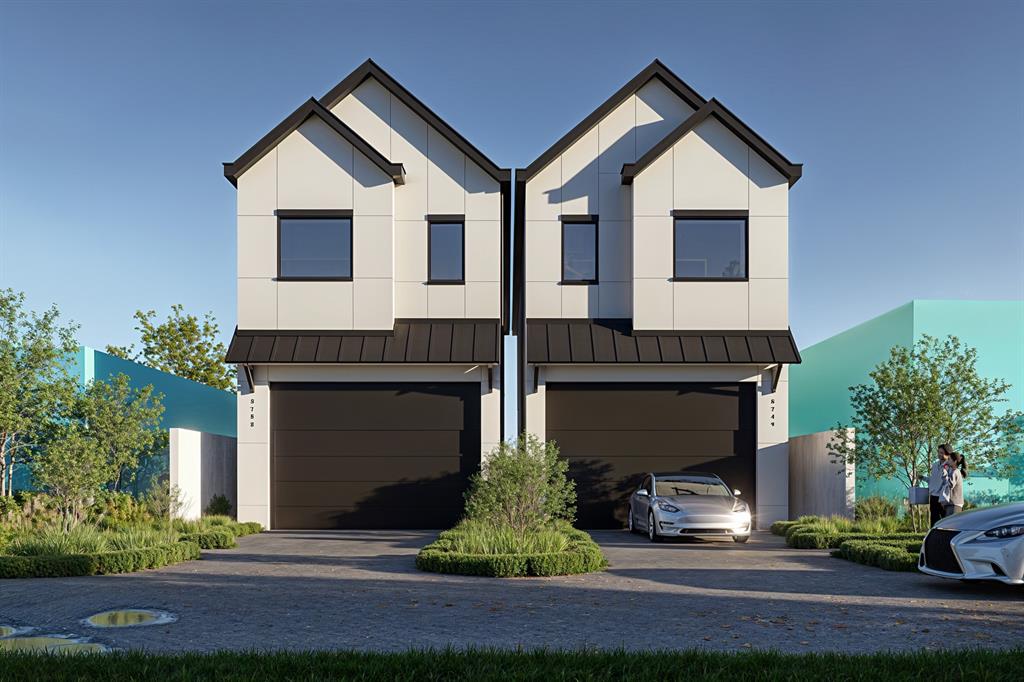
(972, 665)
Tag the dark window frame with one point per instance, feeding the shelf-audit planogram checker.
(591, 219)
(307, 214)
(706, 216)
(445, 219)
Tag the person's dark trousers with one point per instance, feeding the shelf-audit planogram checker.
(937, 512)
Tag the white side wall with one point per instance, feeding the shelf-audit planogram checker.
(254, 415)
(772, 473)
(186, 470)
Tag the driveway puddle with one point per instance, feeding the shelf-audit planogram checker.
(6, 631)
(129, 618)
(50, 644)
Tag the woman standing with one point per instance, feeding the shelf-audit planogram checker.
(953, 489)
(935, 481)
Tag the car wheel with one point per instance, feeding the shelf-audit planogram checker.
(740, 538)
(629, 520)
(652, 532)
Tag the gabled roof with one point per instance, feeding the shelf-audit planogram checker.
(369, 69)
(232, 171)
(791, 171)
(655, 70)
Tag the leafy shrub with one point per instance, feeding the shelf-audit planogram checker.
(217, 520)
(163, 501)
(140, 537)
(890, 555)
(580, 555)
(475, 537)
(9, 508)
(522, 486)
(54, 541)
(213, 538)
(247, 528)
(125, 561)
(780, 527)
(875, 507)
(115, 509)
(219, 505)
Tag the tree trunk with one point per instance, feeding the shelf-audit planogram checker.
(3, 465)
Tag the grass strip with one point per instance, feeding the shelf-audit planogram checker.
(483, 664)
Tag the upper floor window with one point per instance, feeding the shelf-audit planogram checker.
(710, 245)
(579, 249)
(446, 249)
(314, 245)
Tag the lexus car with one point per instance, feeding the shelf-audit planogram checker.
(688, 504)
(981, 544)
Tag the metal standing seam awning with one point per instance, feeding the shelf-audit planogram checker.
(613, 341)
(411, 341)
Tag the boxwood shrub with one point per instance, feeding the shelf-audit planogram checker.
(893, 555)
(244, 528)
(806, 539)
(216, 537)
(780, 527)
(125, 561)
(582, 555)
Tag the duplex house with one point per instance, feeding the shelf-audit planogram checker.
(650, 302)
(372, 281)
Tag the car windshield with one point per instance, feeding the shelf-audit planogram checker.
(676, 485)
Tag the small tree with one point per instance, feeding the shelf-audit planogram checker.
(182, 345)
(522, 486)
(72, 469)
(124, 422)
(920, 398)
(34, 352)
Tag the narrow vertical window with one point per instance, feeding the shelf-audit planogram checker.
(579, 249)
(446, 259)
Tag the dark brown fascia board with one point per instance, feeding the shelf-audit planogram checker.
(791, 171)
(369, 69)
(234, 170)
(654, 70)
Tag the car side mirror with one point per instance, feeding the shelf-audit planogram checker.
(736, 492)
(642, 492)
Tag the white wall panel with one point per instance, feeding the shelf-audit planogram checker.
(544, 193)
(615, 200)
(658, 112)
(652, 304)
(409, 141)
(446, 300)
(710, 169)
(411, 251)
(579, 176)
(257, 246)
(769, 190)
(483, 251)
(372, 241)
(257, 303)
(314, 168)
(543, 299)
(579, 301)
(314, 305)
(446, 176)
(483, 194)
(769, 304)
(653, 188)
(652, 247)
(483, 300)
(618, 137)
(373, 304)
(710, 305)
(367, 110)
(257, 188)
(769, 247)
(615, 299)
(615, 246)
(543, 250)
(410, 300)
(373, 190)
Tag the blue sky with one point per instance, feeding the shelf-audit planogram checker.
(115, 118)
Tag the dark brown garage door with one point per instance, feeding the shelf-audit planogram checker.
(372, 455)
(612, 434)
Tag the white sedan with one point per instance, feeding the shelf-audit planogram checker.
(981, 544)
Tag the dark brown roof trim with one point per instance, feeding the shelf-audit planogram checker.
(792, 171)
(429, 341)
(654, 70)
(234, 170)
(370, 69)
(613, 341)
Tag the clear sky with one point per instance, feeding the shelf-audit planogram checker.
(115, 118)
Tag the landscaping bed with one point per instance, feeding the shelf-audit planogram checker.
(472, 549)
(887, 542)
(119, 561)
(515, 665)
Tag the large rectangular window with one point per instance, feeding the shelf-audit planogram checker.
(710, 247)
(314, 246)
(446, 262)
(579, 249)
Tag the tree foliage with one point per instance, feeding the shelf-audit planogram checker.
(522, 486)
(183, 345)
(34, 352)
(71, 468)
(924, 396)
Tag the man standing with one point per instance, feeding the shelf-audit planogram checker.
(935, 484)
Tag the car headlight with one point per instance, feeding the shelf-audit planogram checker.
(666, 507)
(739, 506)
(1006, 532)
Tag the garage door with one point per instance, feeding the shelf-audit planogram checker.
(372, 455)
(612, 434)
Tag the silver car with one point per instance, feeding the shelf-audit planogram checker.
(981, 544)
(688, 504)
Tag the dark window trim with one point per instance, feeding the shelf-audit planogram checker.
(678, 215)
(446, 219)
(305, 214)
(582, 219)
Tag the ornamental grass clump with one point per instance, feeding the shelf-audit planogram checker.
(58, 542)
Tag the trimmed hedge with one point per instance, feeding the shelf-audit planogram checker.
(125, 561)
(892, 555)
(582, 556)
(807, 539)
(244, 528)
(780, 527)
(217, 537)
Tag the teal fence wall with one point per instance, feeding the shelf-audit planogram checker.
(819, 395)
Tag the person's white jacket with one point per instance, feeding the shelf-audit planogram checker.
(935, 479)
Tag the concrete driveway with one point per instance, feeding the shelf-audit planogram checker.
(360, 590)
